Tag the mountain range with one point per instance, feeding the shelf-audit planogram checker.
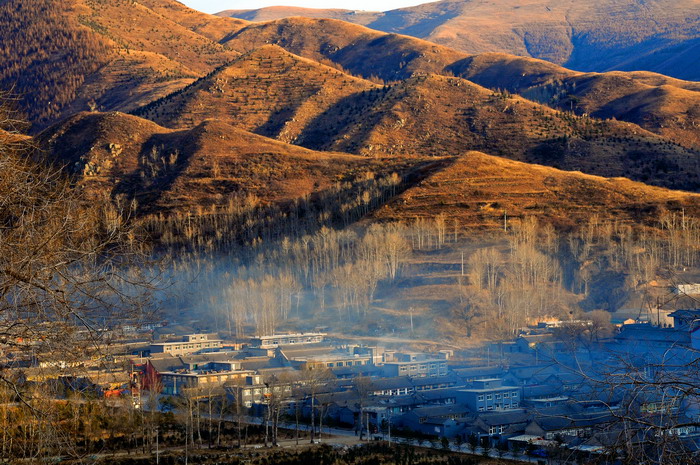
(600, 35)
(177, 110)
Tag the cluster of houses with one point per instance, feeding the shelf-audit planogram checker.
(549, 386)
(534, 392)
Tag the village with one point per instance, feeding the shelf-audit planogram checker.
(558, 386)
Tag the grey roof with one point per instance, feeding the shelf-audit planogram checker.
(505, 418)
(557, 423)
(398, 382)
(648, 333)
(541, 390)
(686, 313)
(451, 378)
(356, 370)
(471, 372)
(440, 411)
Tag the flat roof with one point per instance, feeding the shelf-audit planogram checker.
(210, 373)
(499, 388)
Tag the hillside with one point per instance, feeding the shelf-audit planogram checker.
(356, 48)
(438, 116)
(277, 94)
(268, 91)
(641, 98)
(168, 170)
(124, 55)
(663, 105)
(63, 56)
(660, 35)
(477, 189)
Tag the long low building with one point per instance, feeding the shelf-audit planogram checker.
(189, 344)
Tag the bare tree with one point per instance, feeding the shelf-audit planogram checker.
(71, 269)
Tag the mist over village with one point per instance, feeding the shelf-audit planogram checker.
(459, 233)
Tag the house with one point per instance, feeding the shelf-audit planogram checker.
(204, 377)
(189, 344)
(441, 412)
(251, 391)
(437, 382)
(433, 426)
(314, 356)
(471, 373)
(275, 340)
(396, 386)
(489, 394)
(544, 395)
(416, 368)
(687, 289)
(350, 372)
(568, 420)
(501, 425)
(650, 338)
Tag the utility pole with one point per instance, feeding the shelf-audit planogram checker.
(410, 311)
(462, 263)
(388, 420)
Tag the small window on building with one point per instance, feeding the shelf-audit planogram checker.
(489, 397)
(480, 397)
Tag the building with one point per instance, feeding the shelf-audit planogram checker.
(189, 344)
(205, 377)
(684, 320)
(269, 342)
(415, 368)
(489, 394)
(251, 391)
(686, 289)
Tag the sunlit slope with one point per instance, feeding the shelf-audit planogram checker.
(180, 170)
(439, 116)
(480, 190)
(63, 56)
(268, 91)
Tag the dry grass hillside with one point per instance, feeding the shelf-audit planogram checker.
(442, 116)
(181, 170)
(358, 49)
(268, 91)
(601, 35)
(120, 55)
(210, 26)
(477, 189)
(658, 103)
(663, 105)
(62, 56)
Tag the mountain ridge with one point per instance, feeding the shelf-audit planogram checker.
(658, 35)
